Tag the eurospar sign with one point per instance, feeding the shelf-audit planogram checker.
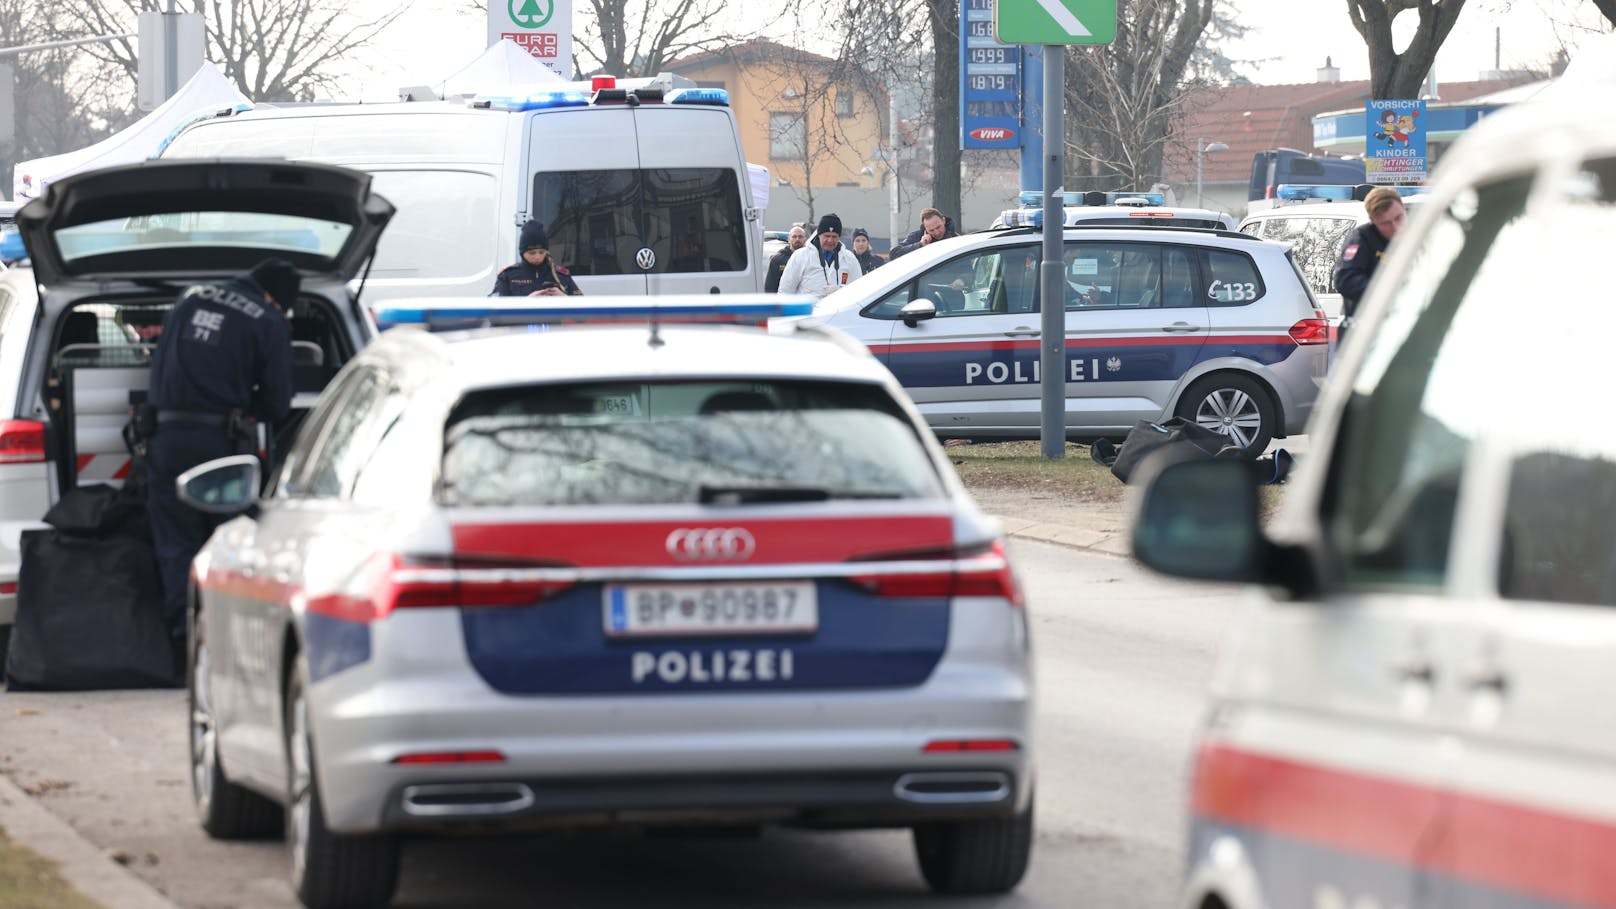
(543, 28)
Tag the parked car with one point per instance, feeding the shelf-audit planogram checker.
(1114, 210)
(637, 572)
(1214, 326)
(110, 251)
(1412, 709)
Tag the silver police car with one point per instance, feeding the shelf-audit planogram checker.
(638, 572)
(1214, 326)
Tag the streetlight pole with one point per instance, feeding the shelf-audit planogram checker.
(1202, 147)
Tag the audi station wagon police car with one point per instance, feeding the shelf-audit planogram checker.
(1213, 326)
(635, 572)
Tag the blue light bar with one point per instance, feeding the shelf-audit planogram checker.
(11, 248)
(475, 312)
(539, 99)
(716, 97)
(1293, 192)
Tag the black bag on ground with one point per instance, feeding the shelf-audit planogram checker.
(96, 510)
(89, 615)
(1179, 437)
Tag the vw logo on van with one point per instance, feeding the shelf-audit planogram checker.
(711, 544)
(645, 258)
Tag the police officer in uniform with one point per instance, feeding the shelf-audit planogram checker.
(1365, 246)
(795, 240)
(224, 359)
(537, 273)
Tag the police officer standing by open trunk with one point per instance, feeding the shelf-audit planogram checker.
(223, 364)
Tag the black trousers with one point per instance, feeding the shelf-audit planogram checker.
(178, 530)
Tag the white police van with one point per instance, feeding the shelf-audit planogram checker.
(643, 186)
(1113, 210)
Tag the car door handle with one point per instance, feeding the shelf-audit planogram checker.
(1486, 677)
(1181, 326)
(1021, 332)
(1417, 669)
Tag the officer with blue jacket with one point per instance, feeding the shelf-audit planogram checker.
(537, 273)
(223, 361)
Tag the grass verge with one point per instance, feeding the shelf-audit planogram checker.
(31, 881)
(1020, 466)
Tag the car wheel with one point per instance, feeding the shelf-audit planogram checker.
(329, 870)
(1236, 406)
(227, 811)
(987, 855)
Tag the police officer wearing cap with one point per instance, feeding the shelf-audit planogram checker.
(537, 273)
(223, 360)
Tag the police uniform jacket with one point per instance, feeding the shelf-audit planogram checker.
(777, 267)
(811, 272)
(1357, 264)
(869, 261)
(224, 347)
(522, 279)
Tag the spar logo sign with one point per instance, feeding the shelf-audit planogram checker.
(530, 13)
(993, 134)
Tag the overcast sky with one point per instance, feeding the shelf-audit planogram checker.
(1290, 40)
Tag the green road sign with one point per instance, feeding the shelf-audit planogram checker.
(1055, 21)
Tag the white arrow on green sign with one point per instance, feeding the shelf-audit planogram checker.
(1055, 21)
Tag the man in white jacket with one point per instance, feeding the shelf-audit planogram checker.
(823, 265)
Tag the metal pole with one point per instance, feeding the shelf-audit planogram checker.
(1200, 155)
(1052, 270)
(171, 58)
(26, 48)
(1032, 105)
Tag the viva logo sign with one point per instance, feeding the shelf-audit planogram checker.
(993, 133)
(530, 13)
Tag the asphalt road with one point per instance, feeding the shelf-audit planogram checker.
(1123, 661)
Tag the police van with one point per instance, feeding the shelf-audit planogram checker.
(1413, 707)
(1113, 210)
(642, 185)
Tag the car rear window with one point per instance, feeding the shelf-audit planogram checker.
(599, 220)
(681, 442)
(206, 230)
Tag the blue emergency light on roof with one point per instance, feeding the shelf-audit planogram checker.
(717, 97)
(532, 100)
(1292, 192)
(475, 312)
(1036, 197)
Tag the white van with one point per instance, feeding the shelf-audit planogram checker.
(643, 187)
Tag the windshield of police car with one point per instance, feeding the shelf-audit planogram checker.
(672, 442)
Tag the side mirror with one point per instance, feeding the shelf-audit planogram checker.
(916, 311)
(1199, 519)
(221, 486)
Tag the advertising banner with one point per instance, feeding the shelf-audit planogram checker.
(543, 28)
(1394, 141)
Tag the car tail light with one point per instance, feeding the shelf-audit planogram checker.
(451, 757)
(8, 588)
(982, 573)
(945, 746)
(402, 583)
(22, 441)
(1311, 331)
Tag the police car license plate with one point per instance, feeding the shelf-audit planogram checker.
(638, 610)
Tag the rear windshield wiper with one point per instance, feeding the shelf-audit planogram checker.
(748, 495)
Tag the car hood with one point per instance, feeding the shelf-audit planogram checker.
(160, 218)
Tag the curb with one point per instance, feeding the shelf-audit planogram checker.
(84, 866)
(1102, 543)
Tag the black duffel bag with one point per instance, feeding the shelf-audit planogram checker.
(89, 615)
(1178, 438)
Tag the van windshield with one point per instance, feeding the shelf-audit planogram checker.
(690, 218)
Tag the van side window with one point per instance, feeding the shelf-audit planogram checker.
(1231, 279)
(1558, 541)
(1316, 243)
(1431, 383)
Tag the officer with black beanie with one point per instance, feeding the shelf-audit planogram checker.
(537, 274)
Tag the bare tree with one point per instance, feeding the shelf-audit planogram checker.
(943, 18)
(1123, 99)
(637, 37)
(273, 50)
(1400, 75)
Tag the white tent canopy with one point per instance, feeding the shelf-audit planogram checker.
(208, 90)
(501, 67)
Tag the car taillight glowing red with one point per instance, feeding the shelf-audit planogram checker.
(406, 584)
(986, 573)
(22, 441)
(1311, 331)
(451, 757)
(947, 746)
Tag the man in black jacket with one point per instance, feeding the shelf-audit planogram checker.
(797, 239)
(223, 360)
(934, 226)
(1361, 255)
